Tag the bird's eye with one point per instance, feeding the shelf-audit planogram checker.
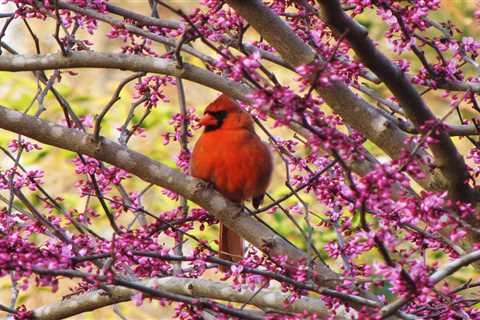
(219, 115)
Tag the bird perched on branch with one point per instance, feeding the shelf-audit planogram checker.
(231, 156)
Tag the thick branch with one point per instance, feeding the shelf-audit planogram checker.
(355, 111)
(197, 288)
(361, 116)
(88, 59)
(154, 65)
(446, 156)
(154, 172)
(151, 291)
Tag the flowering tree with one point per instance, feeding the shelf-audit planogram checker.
(404, 232)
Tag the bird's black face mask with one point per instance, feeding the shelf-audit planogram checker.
(219, 117)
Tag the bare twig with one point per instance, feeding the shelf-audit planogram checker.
(113, 100)
(184, 149)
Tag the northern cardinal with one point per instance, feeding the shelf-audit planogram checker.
(230, 156)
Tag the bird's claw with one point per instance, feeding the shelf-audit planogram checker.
(204, 185)
(241, 212)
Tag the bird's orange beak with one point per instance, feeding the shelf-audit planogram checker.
(208, 120)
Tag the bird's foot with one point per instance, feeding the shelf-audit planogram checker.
(204, 185)
(243, 211)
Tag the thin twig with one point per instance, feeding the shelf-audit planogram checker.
(115, 98)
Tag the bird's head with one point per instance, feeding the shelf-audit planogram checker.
(225, 113)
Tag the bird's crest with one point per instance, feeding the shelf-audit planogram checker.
(223, 103)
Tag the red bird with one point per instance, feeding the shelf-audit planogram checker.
(231, 156)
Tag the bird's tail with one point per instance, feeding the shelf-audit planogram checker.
(231, 246)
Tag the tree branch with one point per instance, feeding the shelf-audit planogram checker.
(132, 28)
(355, 111)
(144, 19)
(150, 291)
(88, 59)
(234, 89)
(154, 172)
(454, 266)
(447, 158)
(435, 278)
(198, 288)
